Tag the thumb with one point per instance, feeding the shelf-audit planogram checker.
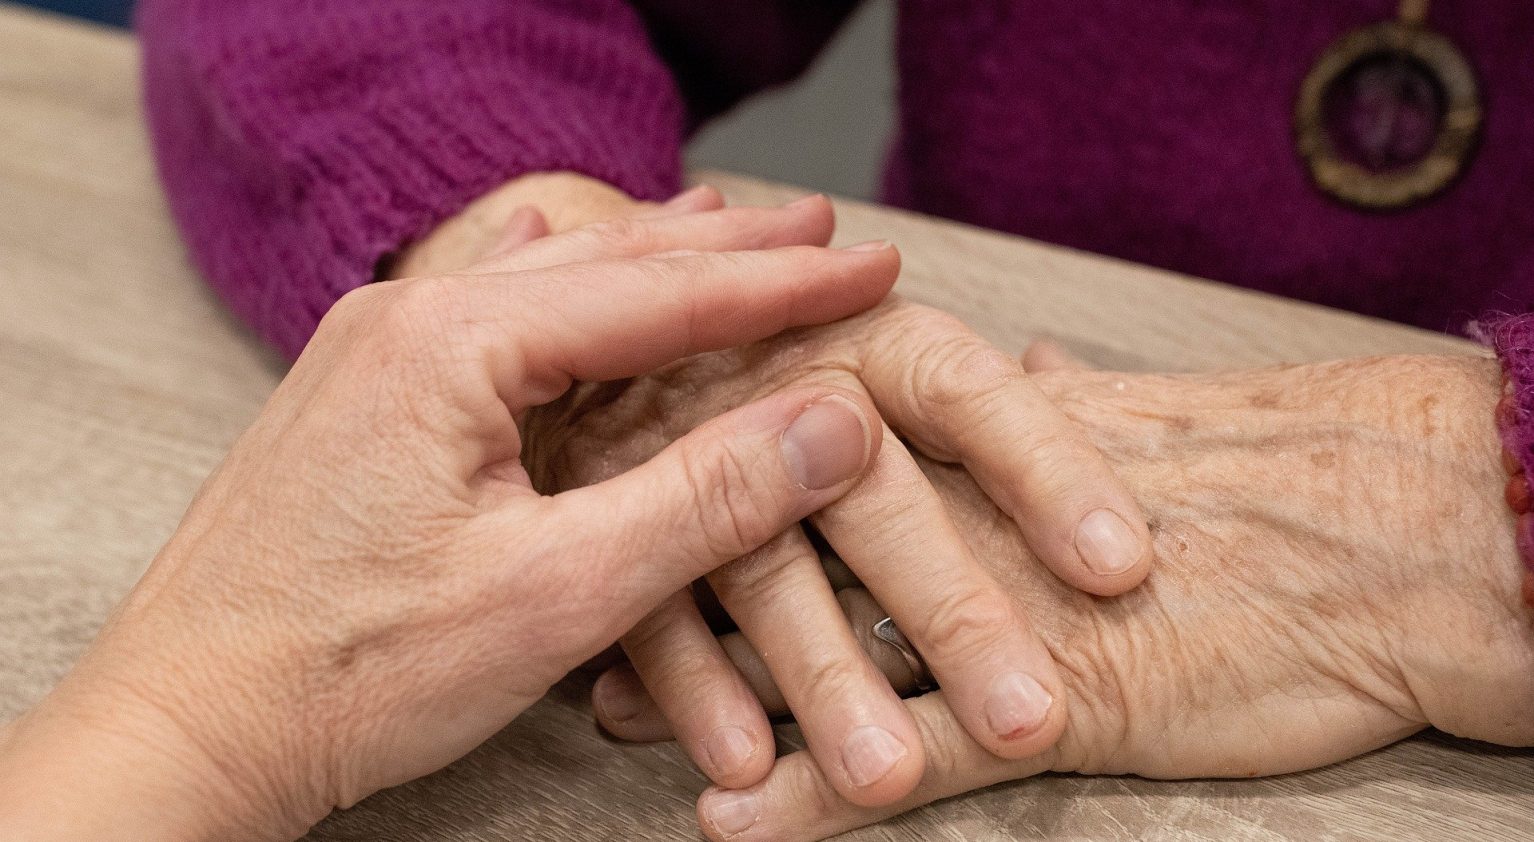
(717, 493)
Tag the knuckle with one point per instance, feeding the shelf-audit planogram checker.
(1053, 458)
(1096, 725)
(707, 267)
(943, 743)
(824, 684)
(964, 371)
(1051, 444)
(736, 508)
(425, 295)
(762, 574)
(963, 625)
(888, 315)
(416, 309)
(653, 633)
(678, 278)
(806, 792)
(356, 308)
(897, 310)
(922, 319)
(362, 299)
(621, 235)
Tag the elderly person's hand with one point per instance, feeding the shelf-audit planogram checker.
(370, 586)
(952, 396)
(1335, 570)
(948, 393)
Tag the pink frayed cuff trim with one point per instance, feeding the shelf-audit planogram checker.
(1512, 337)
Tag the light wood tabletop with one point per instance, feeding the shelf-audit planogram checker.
(122, 382)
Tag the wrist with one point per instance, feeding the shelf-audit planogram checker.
(1465, 636)
(162, 733)
(112, 767)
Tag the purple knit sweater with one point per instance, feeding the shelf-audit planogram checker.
(302, 141)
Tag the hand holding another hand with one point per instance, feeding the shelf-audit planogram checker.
(370, 586)
(1334, 570)
(952, 396)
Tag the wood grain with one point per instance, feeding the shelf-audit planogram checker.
(122, 382)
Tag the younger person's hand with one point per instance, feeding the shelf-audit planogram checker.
(369, 586)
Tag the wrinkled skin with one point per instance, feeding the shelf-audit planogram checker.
(1335, 568)
(952, 394)
(598, 429)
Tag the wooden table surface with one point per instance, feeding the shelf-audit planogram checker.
(122, 382)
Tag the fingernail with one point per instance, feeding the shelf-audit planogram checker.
(618, 701)
(869, 753)
(729, 747)
(1017, 706)
(871, 245)
(731, 812)
(826, 444)
(1106, 543)
(806, 201)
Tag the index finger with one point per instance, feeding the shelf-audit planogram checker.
(959, 398)
(606, 320)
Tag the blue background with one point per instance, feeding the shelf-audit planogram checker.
(110, 11)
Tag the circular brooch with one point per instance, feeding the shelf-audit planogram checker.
(1389, 116)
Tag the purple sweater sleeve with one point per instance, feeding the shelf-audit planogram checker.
(301, 142)
(1512, 337)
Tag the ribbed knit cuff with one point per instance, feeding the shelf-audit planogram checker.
(413, 160)
(301, 143)
(1512, 337)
